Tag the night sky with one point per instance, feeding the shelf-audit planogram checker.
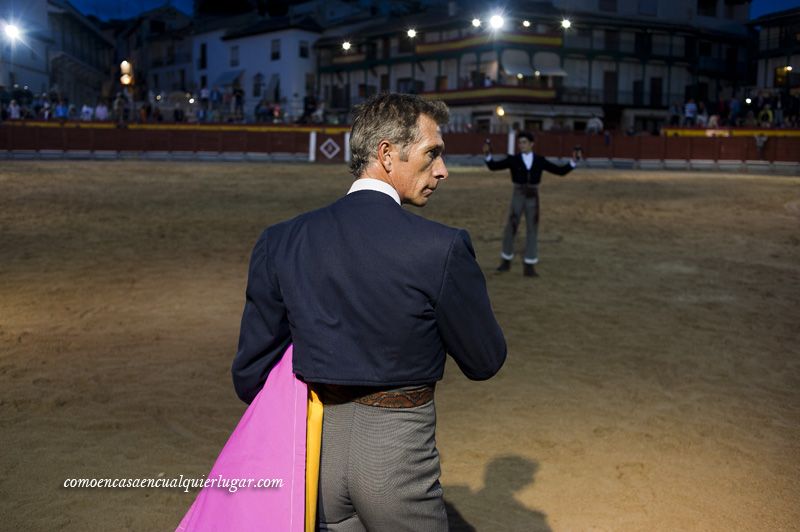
(106, 9)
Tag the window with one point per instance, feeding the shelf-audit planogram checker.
(608, 5)
(612, 40)
(643, 41)
(707, 8)
(258, 83)
(234, 56)
(365, 91)
(276, 49)
(405, 44)
(410, 86)
(203, 81)
(385, 48)
(202, 62)
(704, 49)
(648, 7)
(303, 49)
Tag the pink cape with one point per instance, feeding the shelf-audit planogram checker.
(268, 443)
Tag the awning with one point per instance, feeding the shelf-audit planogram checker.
(228, 78)
(516, 62)
(557, 71)
(548, 64)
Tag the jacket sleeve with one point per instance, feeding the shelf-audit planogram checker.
(464, 314)
(499, 165)
(264, 333)
(556, 169)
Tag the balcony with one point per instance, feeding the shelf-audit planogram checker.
(496, 94)
(482, 41)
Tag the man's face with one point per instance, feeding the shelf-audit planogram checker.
(416, 177)
(524, 145)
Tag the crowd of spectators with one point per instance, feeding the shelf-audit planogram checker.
(207, 106)
(765, 109)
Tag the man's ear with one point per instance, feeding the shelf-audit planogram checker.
(384, 155)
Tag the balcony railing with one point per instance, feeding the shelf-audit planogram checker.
(601, 97)
(534, 39)
(499, 93)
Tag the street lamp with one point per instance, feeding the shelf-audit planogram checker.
(476, 22)
(526, 23)
(12, 32)
(566, 23)
(496, 22)
(346, 45)
(411, 33)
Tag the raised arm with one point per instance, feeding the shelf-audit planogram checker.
(557, 169)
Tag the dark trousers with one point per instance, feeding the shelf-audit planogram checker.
(524, 200)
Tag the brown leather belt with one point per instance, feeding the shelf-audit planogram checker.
(395, 398)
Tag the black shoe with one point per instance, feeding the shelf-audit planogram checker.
(529, 271)
(504, 266)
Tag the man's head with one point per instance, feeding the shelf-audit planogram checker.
(396, 138)
(525, 142)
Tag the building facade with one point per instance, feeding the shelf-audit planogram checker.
(625, 61)
(268, 61)
(778, 52)
(80, 56)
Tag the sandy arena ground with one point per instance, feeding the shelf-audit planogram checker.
(652, 383)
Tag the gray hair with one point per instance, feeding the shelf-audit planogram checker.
(391, 117)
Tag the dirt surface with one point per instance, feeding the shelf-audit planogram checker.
(652, 383)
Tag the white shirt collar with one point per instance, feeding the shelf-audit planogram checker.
(369, 183)
(527, 158)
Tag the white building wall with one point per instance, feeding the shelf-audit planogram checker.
(255, 57)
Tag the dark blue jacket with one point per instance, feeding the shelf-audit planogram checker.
(370, 295)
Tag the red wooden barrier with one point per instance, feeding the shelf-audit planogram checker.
(215, 139)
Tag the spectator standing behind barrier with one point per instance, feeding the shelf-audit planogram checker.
(216, 98)
(526, 173)
(101, 111)
(205, 96)
(594, 125)
(87, 113)
(14, 110)
(62, 110)
(765, 116)
(675, 114)
(690, 113)
(238, 99)
(702, 115)
(735, 110)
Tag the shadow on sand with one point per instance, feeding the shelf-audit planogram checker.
(494, 507)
